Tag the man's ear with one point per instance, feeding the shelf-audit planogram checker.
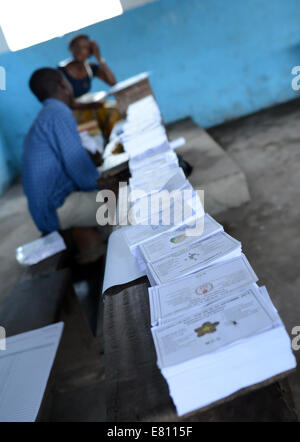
(63, 88)
(60, 86)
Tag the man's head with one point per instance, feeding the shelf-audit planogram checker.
(51, 83)
(80, 47)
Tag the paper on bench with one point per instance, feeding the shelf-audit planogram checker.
(152, 162)
(169, 179)
(199, 289)
(25, 366)
(40, 249)
(121, 266)
(156, 248)
(187, 335)
(167, 218)
(195, 257)
(204, 384)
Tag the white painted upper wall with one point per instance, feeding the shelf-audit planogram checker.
(3, 44)
(130, 4)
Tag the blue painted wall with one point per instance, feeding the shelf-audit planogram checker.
(212, 59)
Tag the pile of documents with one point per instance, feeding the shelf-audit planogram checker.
(215, 330)
(143, 133)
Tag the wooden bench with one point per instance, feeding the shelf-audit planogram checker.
(45, 295)
(135, 388)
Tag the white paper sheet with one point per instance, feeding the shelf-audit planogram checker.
(201, 330)
(195, 257)
(161, 246)
(152, 162)
(121, 266)
(40, 249)
(221, 374)
(199, 289)
(25, 366)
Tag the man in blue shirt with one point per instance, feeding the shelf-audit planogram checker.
(58, 176)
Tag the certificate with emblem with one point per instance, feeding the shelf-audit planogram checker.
(202, 288)
(193, 258)
(198, 331)
(162, 245)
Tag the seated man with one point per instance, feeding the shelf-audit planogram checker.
(58, 176)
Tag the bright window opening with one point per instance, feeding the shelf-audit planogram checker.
(28, 22)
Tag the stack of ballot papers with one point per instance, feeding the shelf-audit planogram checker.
(156, 247)
(143, 134)
(151, 220)
(40, 249)
(214, 329)
(173, 180)
(211, 351)
(200, 289)
(154, 180)
(152, 163)
(193, 257)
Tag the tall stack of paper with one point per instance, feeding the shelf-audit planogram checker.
(144, 134)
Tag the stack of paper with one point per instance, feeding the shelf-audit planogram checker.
(151, 220)
(211, 351)
(162, 245)
(170, 181)
(199, 289)
(154, 162)
(143, 134)
(214, 329)
(193, 257)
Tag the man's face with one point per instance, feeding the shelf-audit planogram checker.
(67, 90)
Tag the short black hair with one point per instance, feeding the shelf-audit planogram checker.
(44, 82)
(76, 39)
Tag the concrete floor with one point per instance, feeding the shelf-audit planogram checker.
(267, 148)
(16, 228)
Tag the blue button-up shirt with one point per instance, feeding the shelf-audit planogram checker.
(54, 163)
